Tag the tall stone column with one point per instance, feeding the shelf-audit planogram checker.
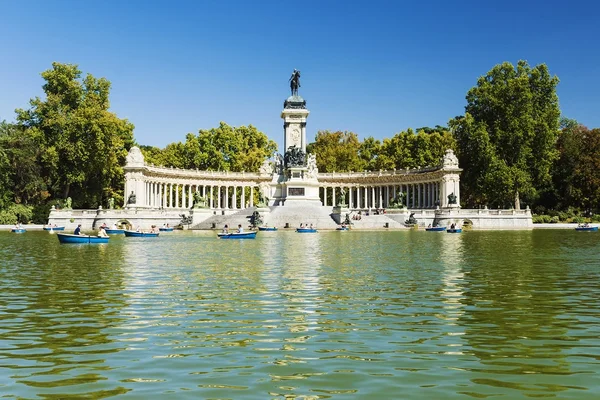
(234, 198)
(211, 196)
(243, 202)
(189, 202)
(350, 190)
(333, 196)
(226, 197)
(380, 197)
(251, 196)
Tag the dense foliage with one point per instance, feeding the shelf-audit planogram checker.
(507, 137)
(224, 148)
(510, 143)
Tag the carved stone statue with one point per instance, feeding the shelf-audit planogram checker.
(397, 202)
(256, 219)
(342, 199)
(199, 201)
(294, 157)
(266, 168)
(295, 82)
(517, 201)
(311, 163)
(411, 220)
(263, 194)
(135, 158)
(132, 198)
(68, 202)
(278, 167)
(111, 203)
(449, 160)
(452, 198)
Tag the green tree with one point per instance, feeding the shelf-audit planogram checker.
(337, 151)
(83, 145)
(225, 148)
(512, 115)
(576, 174)
(20, 172)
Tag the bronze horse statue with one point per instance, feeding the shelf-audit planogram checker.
(295, 82)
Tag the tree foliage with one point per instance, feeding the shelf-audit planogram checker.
(507, 137)
(82, 145)
(225, 148)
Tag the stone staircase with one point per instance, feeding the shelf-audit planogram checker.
(233, 220)
(294, 215)
(377, 222)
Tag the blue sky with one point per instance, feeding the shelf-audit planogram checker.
(372, 67)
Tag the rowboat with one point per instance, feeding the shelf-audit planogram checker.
(436, 229)
(342, 228)
(306, 230)
(18, 230)
(455, 230)
(267, 228)
(140, 234)
(165, 229)
(68, 238)
(236, 235)
(115, 231)
(587, 228)
(54, 228)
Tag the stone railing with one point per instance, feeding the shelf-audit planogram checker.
(199, 174)
(373, 174)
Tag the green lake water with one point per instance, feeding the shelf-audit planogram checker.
(333, 315)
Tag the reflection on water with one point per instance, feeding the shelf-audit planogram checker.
(328, 315)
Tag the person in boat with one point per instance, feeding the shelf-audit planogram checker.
(429, 226)
(104, 226)
(102, 232)
(153, 229)
(77, 230)
(138, 229)
(311, 226)
(226, 229)
(168, 226)
(452, 226)
(240, 229)
(301, 225)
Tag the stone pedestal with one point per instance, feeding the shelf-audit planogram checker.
(339, 213)
(200, 214)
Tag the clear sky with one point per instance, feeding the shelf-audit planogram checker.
(371, 67)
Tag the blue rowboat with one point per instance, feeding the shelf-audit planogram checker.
(115, 231)
(165, 229)
(306, 230)
(267, 228)
(18, 230)
(456, 230)
(587, 228)
(436, 229)
(68, 238)
(235, 235)
(140, 234)
(54, 228)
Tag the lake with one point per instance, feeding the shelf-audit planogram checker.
(332, 315)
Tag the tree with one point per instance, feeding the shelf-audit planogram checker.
(337, 151)
(20, 172)
(225, 148)
(513, 116)
(576, 174)
(83, 145)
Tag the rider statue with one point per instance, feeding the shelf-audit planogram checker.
(295, 82)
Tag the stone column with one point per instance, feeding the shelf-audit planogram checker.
(243, 202)
(226, 198)
(350, 205)
(234, 198)
(211, 196)
(380, 197)
(333, 196)
(189, 198)
(251, 196)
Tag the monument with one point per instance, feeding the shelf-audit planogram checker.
(295, 178)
